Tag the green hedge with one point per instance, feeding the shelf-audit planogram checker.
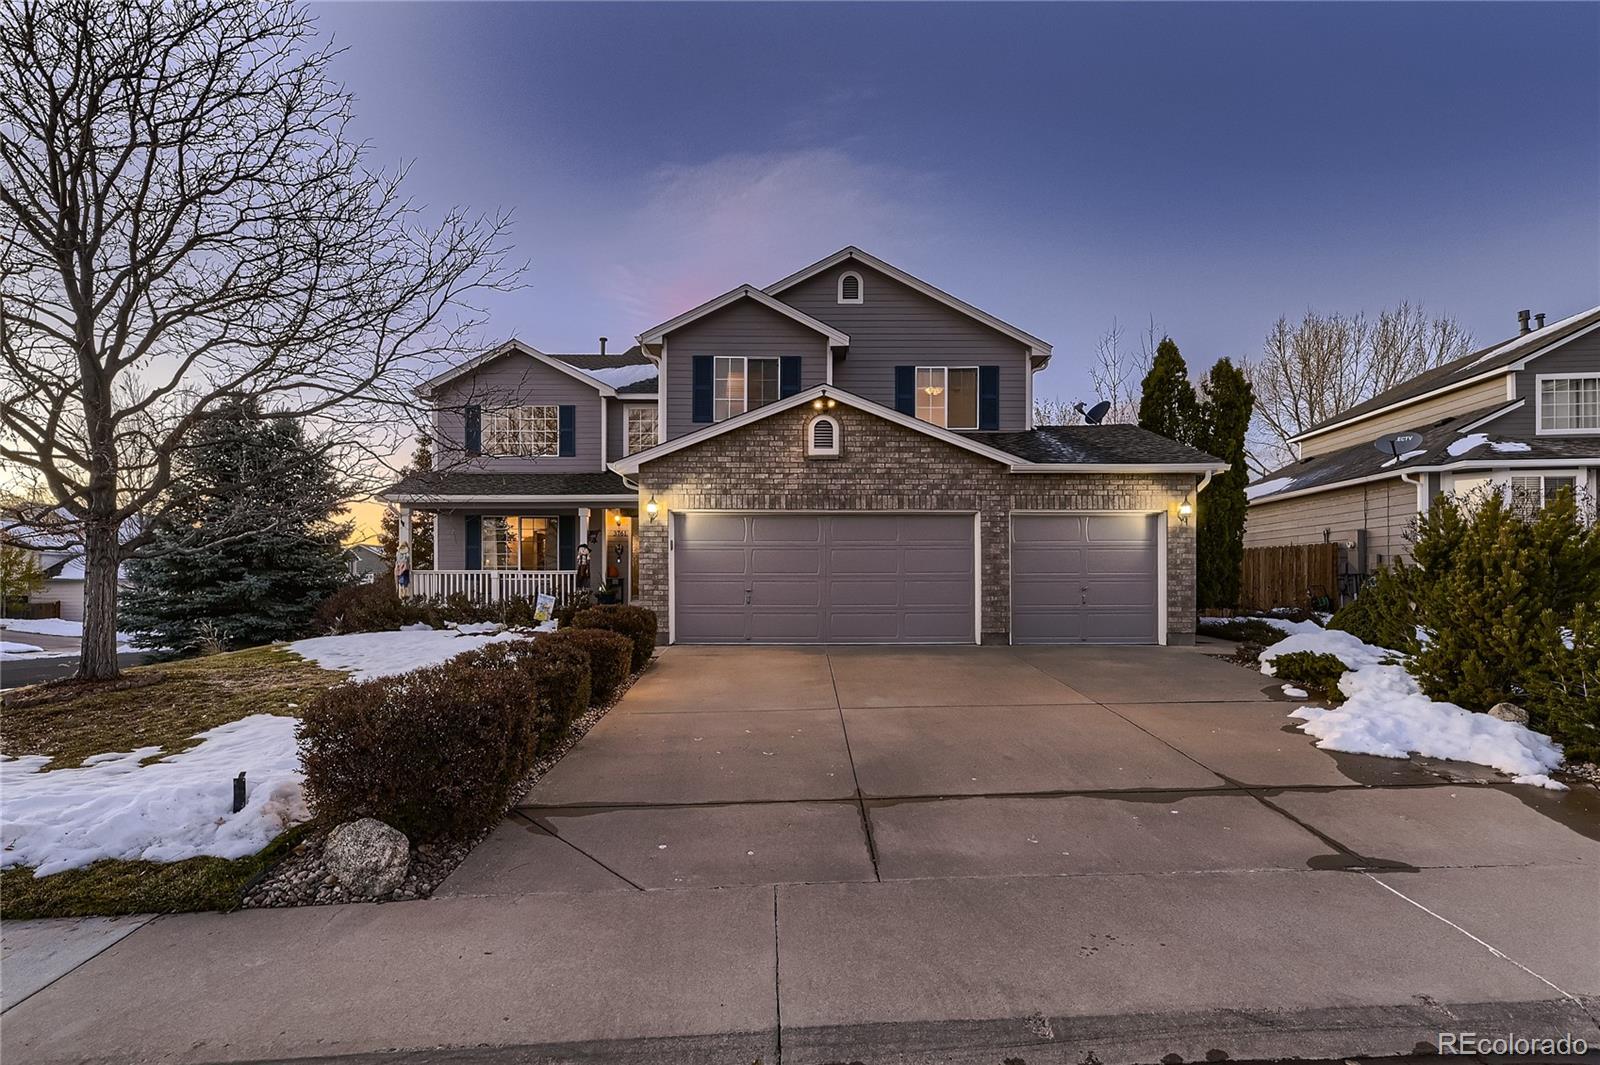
(1316, 672)
(610, 655)
(559, 673)
(635, 622)
(1384, 613)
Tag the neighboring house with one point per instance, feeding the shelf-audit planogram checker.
(1521, 417)
(845, 456)
(60, 557)
(365, 562)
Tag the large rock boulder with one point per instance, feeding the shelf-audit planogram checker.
(1509, 712)
(367, 857)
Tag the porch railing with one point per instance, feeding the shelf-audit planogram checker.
(492, 585)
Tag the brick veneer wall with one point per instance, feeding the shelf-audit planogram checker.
(884, 467)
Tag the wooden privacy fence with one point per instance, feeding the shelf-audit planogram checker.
(1291, 575)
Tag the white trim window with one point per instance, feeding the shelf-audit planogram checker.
(1568, 403)
(520, 543)
(643, 428)
(851, 288)
(526, 432)
(1528, 493)
(742, 384)
(948, 396)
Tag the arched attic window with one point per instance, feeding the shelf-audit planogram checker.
(822, 436)
(850, 289)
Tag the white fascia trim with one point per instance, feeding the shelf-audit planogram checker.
(1028, 340)
(1470, 464)
(1548, 348)
(417, 498)
(630, 464)
(432, 384)
(1492, 415)
(1207, 468)
(657, 334)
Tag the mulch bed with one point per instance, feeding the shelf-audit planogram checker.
(302, 879)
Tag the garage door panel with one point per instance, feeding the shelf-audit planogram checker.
(1084, 578)
(867, 578)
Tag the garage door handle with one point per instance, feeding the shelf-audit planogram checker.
(747, 597)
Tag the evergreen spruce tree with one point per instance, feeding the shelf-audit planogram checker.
(1224, 419)
(249, 544)
(421, 520)
(1167, 403)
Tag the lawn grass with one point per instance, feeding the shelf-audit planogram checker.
(163, 705)
(112, 887)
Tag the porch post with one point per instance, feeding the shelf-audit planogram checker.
(402, 554)
(583, 542)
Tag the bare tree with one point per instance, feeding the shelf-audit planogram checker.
(1325, 364)
(1116, 376)
(183, 224)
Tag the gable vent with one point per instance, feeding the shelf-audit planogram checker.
(822, 436)
(850, 288)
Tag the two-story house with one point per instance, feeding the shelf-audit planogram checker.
(1520, 417)
(845, 456)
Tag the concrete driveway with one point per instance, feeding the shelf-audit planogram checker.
(906, 855)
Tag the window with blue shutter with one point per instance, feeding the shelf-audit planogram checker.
(473, 536)
(474, 429)
(702, 388)
(905, 390)
(788, 375)
(567, 437)
(989, 397)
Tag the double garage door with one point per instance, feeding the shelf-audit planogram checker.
(909, 578)
(823, 578)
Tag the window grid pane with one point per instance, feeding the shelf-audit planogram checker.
(931, 394)
(528, 432)
(1570, 403)
(728, 397)
(763, 382)
(641, 429)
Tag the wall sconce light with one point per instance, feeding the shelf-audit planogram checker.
(617, 519)
(816, 404)
(831, 404)
(1185, 509)
(651, 507)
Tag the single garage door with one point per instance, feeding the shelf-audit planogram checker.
(1083, 578)
(823, 578)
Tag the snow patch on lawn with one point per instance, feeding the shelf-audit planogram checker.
(180, 807)
(368, 655)
(54, 627)
(1386, 713)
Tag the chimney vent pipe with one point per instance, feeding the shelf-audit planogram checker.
(1522, 323)
(1538, 320)
(602, 346)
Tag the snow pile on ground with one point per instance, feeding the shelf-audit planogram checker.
(1264, 488)
(1385, 713)
(368, 655)
(53, 627)
(9, 648)
(1294, 693)
(180, 807)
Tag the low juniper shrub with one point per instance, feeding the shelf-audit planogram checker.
(1318, 673)
(637, 623)
(610, 655)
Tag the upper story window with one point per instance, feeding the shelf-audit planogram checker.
(743, 384)
(850, 288)
(530, 432)
(948, 396)
(1569, 403)
(642, 428)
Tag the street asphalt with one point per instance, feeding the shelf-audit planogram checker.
(971, 855)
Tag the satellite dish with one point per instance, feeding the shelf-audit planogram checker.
(1097, 413)
(1398, 444)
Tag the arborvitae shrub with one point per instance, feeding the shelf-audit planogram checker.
(1383, 613)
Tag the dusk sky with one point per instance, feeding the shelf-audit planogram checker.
(1211, 165)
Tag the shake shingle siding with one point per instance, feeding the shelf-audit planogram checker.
(898, 326)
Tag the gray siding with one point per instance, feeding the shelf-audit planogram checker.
(746, 328)
(899, 326)
(512, 380)
(1385, 509)
(1580, 356)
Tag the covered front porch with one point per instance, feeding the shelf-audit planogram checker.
(496, 546)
